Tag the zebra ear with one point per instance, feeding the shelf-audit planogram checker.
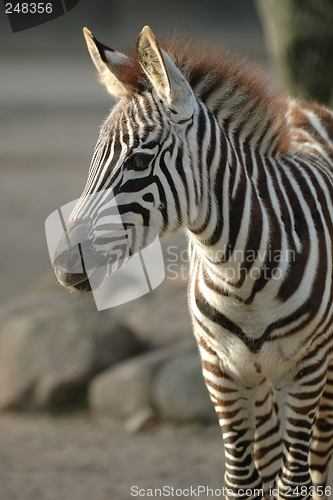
(166, 78)
(107, 62)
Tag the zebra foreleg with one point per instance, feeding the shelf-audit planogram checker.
(235, 407)
(299, 403)
(322, 441)
(268, 443)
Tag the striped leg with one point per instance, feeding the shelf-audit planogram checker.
(267, 444)
(234, 405)
(299, 405)
(322, 440)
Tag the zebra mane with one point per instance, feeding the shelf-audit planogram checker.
(237, 92)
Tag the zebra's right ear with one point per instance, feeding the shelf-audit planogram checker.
(107, 62)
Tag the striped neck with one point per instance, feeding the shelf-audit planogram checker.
(230, 168)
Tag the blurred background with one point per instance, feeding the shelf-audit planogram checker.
(93, 403)
(52, 107)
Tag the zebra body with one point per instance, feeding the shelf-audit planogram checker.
(198, 141)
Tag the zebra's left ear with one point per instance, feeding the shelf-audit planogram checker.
(168, 81)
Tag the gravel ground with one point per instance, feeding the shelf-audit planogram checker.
(91, 458)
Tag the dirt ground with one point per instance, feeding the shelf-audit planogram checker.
(91, 458)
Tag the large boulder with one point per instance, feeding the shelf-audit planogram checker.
(48, 356)
(167, 382)
(179, 391)
(163, 319)
(125, 389)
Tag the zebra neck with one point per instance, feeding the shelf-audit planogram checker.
(218, 180)
(232, 230)
(254, 113)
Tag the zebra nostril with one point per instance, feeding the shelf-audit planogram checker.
(70, 262)
(69, 267)
(148, 197)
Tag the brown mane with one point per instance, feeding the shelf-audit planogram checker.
(203, 60)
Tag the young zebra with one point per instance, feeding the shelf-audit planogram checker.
(199, 141)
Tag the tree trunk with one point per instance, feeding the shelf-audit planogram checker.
(299, 37)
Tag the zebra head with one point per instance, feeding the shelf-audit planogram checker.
(131, 196)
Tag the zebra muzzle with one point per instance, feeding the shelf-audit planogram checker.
(76, 260)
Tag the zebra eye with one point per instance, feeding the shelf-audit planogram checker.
(138, 161)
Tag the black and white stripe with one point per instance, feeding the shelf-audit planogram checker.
(249, 177)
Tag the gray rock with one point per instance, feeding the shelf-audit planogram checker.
(164, 318)
(126, 389)
(167, 382)
(48, 356)
(122, 390)
(179, 391)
